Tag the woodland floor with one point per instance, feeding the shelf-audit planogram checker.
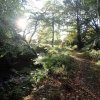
(82, 84)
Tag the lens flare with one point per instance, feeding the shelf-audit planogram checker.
(21, 23)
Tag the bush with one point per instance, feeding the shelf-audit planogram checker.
(41, 49)
(93, 55)
(16, 51)
(15, 90)
(37, 75)
(58, 60)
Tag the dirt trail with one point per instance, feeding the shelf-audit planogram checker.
(82, 84)
(87, 74)
(61, 89)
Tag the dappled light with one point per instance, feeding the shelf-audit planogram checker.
(49, 50)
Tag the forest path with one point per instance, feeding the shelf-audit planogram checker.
(82, 84)
(87, 73)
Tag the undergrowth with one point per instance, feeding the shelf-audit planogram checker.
(54, 60)
(92, 55)
(57, 58)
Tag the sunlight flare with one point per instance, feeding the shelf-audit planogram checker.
(21, 23)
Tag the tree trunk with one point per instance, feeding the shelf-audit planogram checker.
(35, 28)
(52, 30)
(79, 40)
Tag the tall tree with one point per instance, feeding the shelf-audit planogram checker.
(75, 7)
(8, 12)
(52, 16)
(92, 19)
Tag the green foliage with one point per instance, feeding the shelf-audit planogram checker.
(15, 89)
(93, 55)
(56, 58)
(37, 75)
(71, 39)
(16, 52)
(18, 48)
(57, 50)
(9, 8)
(41, 49)
(87, 27)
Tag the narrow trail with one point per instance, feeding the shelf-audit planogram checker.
(87, 75)
(82, 84)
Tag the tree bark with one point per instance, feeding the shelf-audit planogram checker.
(35, 28)
(79, 40)
(52, 30)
